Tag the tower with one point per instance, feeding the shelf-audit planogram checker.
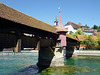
(56, 22)
(60, 49)
(61, 41)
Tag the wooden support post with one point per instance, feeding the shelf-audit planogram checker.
(51, 50)
(38, 45)
(18, 44)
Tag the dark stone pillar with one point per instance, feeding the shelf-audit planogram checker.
(45, 58)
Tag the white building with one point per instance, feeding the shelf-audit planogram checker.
(88, 31)
(72, 27)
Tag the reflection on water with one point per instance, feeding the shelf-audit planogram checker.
(10, 62)
(77, 66)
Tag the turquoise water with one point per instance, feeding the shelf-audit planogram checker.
(77, 66)
(89, 62)
(10, 63)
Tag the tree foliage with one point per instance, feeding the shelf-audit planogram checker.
(98, 39)
(90, 43)
(70, 32)
(78, 32)
(96, 27)
(86, 26)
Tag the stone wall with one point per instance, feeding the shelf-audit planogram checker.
(86, 53)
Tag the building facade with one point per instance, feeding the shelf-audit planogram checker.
(72, 27)
(88, 31)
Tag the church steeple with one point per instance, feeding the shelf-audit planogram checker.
(62, 33)
(61, 28)
(56, 22)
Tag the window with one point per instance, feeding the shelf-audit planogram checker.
(58, 43)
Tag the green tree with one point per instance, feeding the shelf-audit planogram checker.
(70, 32)
(86, 26)
(78, 32)
(95, 27)
(98, 39)
(89, 42)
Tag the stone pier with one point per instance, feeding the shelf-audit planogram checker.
(49, 57)
(59, 58)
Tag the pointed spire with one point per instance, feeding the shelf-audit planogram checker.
(56, 21)
(61, 28)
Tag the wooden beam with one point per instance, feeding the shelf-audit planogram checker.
(18, 46)
(51, 50)
(38, 45)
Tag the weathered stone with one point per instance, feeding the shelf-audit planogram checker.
(59, 58)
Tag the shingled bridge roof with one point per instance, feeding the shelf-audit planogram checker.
(16, 16)
(11, 14)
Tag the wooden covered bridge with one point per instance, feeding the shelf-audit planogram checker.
(18, 31)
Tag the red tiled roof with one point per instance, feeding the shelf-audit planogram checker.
(83, 37)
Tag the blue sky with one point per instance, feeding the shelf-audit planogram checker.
(84, 11)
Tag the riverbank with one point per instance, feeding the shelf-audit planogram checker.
(86, 53)
(7, 52)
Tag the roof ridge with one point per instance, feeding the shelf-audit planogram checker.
(71, 36)
(74, 23)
